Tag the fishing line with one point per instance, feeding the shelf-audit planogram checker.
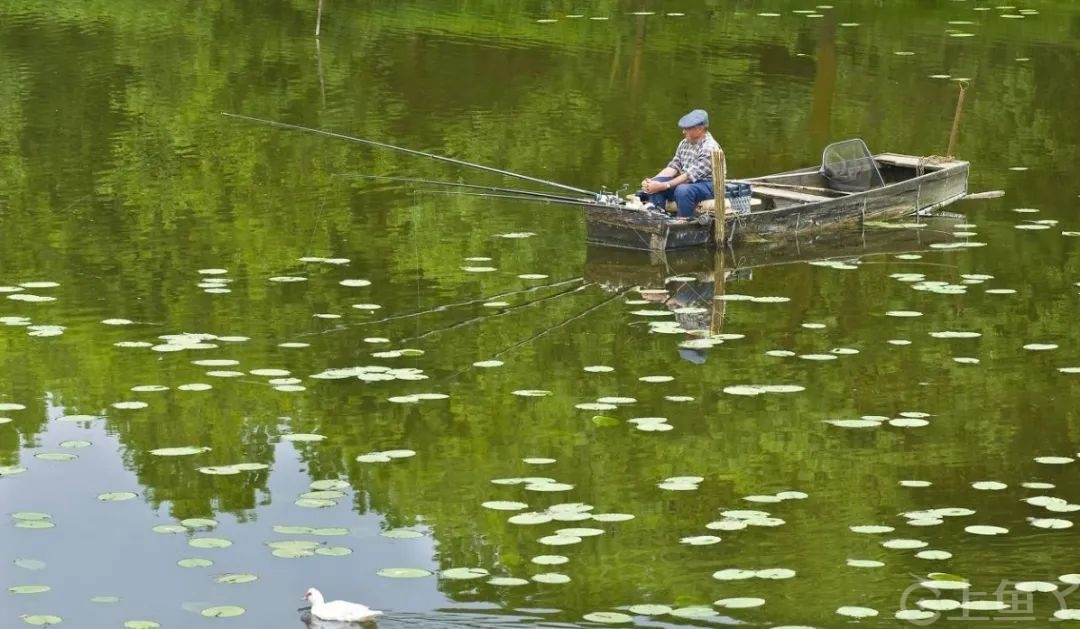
(459, 162)
(436, 182)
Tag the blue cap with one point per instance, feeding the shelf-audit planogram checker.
(696, 118)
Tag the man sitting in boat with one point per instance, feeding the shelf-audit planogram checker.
(687, 179)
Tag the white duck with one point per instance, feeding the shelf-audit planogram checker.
(340, 611)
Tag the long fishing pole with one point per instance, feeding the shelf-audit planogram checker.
(502, 313)
(447, 307)
(489, 195)
(483, 195)
(573, 318)
(436, 182)
(459, 162)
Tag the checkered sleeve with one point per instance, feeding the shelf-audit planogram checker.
(699, 164)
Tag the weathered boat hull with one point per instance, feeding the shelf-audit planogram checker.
(623, 268)
(912, 185)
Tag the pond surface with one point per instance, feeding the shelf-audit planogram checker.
(234, 368)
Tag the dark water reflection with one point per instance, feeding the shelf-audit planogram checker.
(122, 183)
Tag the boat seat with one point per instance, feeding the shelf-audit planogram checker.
(790, 195)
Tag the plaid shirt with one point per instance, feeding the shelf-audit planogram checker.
(695, 159)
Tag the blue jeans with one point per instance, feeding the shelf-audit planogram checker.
(686, 196)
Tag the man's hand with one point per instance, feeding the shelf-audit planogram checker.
(651, 187)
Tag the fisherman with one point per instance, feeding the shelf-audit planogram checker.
(687, 179)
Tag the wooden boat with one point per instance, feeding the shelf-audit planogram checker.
(623, 268)
(796, 203)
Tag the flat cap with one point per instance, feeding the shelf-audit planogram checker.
(696, 118)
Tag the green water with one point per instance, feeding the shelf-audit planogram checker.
(122, 183)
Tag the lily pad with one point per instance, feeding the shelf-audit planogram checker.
(179, 451)
(694, 611)
(194, 562)
(29, 589)
(609, 618)
(504, 505)
(853, 611)
(980, 529)
(41, 620)
(209, 542)
(700, 540)
(649, 609)
(551, 578)
(302, 437)
(223, 611)
(234, 578)
(463, 574)
(117, 496)
(550, 560)
(742, 602)
(333, 551)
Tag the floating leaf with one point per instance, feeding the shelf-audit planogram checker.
(904, 544)
(865, 563)
(548, 487)
(532, 393)
(507, 581)
(733, 574)
(194, 562)
(302, 437)
(141, 624)
(233, 578)
(29, 589)
(169, 529)
(315, 503)
(1035, 586)
(333, 551)
(609, 618)
(551, 578)
(700, 540)
(75, 444)
(1054, 460)
(463, 574)
(853, 611)
(401, 534)
(612, 517)
(223, 611)
(179, 451)
(209, 542)
(116, 496)
(694, 611)
(559, 540)
(981, 529)
(740, 602)
(41, 620)
(504, 505)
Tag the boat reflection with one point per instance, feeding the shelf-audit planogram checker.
(689, 281)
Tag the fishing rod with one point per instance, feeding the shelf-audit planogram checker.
(447, 307)
(284, 125)
(436, 182)
(578, 202)
(502, 313)
(573, 318)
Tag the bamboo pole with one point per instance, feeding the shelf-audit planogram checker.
(720, 211)
(318, 19)
(956, 120)
(719, 306)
